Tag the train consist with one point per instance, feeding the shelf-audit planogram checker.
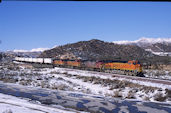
(132, 67)
(34, 60)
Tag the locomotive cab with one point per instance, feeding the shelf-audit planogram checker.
(138, 67)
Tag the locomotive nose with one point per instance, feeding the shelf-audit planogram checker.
(140, 68)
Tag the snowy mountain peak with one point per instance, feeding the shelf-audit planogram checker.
(32, 50)
(145, 40)
(158, 46)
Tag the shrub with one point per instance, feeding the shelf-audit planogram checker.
(146, 98)
(65, 73)
(117, 94)
(130, 95)
(60, 78)
(54, 72)
(62, 87)
(159, 97)
(8, 111)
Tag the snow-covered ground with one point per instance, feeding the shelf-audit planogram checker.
(102, 76)
(12, 104)
(73, 100)
(89, 82)
(160, 74)
(140, 90)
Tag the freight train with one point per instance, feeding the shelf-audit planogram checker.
(132, 67)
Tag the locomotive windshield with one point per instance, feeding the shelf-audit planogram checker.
(136, 62)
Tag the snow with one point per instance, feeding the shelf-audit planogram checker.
(18, 62)
(96, 88)
(159, 74)
(88, 73)
(162, 53)
(73, 80)
(146, 83)
(32, 50)
(12, 104)
(145, 40)
(159, 53)
(105, 91)
(39, 49)
(54, 46)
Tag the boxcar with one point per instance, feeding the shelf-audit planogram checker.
(30, 60)
(47, 60)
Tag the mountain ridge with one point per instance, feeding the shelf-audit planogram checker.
(157, 46)
(145, 40)
(97, 50)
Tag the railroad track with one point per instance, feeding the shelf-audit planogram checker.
(158, 78)
(145, 79)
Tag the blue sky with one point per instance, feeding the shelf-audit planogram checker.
(27, 25)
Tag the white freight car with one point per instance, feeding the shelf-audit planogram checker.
(34, 60)
(40, 60)
(21, 59)
(47, 60)
(26, 59)
(16, 58)
(30, 59)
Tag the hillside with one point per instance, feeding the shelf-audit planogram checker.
(24, 54)
(159, 49)
(97, 50)
(158, 46)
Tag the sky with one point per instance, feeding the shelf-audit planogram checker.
(45, 24)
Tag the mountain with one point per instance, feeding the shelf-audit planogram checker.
(97, 50)
(24, 54)
(158, 46)
(5, 57)
(32, 50)
(27, 53)
(145, 41)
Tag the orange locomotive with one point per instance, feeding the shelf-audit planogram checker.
(59, 62)
(132, 67)
(74, 63)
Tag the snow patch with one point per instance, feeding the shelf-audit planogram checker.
(12, 104)
(145, 40)
(32, 50)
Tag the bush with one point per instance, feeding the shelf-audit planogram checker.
(62, 87)
(117, 94)
(65, 73)
(159, 97)
(54, 72)
(8, 111)
(146, 98)
(130, 95)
